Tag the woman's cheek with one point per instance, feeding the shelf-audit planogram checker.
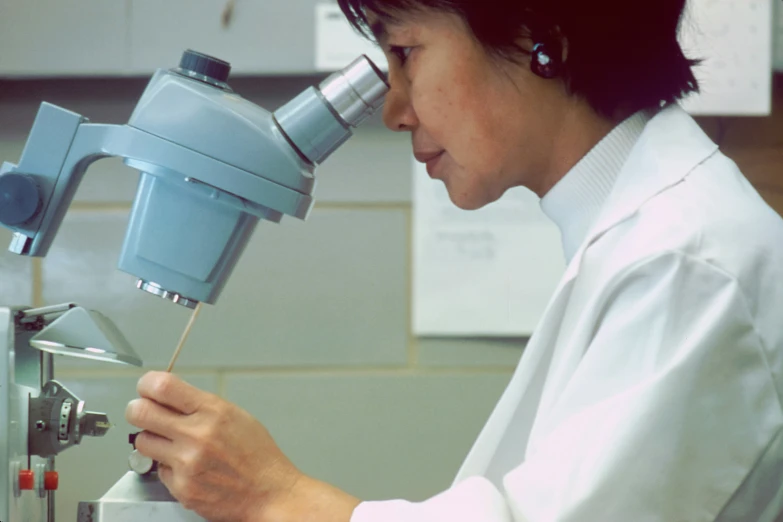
(437, 116)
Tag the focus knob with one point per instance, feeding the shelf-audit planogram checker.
(137, 462)
(208, 68)
(19, 198)
(141, 464)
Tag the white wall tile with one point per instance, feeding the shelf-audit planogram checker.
(16, 283)
(375, 436)
(330, 291)
(468, 352)
(374, 166)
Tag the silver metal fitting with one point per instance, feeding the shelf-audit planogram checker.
(156, 289)
(20, 244)
(355, 92)
(40, 480)
(65, 429)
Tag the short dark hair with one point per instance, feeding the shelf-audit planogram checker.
(621, 54)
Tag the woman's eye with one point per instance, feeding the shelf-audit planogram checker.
(401, 53)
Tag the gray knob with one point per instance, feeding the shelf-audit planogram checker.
(204, 68)
(139, 463)
(20, 199)
(202, 64)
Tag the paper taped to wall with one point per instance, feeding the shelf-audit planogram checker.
(734, 38)
(488, 272)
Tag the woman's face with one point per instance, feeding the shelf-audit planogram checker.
(481, 124)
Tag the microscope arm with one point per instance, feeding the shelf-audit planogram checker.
(212, 166)
(62, 146)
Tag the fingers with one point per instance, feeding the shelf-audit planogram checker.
(178, 486)
(169, 390)
(166, 475)
(154, 446)
(151, 416)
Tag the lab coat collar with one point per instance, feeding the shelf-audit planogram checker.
(670, 147)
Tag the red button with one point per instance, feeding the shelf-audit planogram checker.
(51, 480)
(26, 479)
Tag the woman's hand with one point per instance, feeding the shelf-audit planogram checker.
(219, 461)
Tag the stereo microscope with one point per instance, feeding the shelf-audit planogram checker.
(212, 165)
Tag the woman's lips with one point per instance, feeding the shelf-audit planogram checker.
(432, 165)
(431, 159)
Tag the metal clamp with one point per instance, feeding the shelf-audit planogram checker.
(57, 421)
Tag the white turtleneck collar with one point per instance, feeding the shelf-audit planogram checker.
(576, 200)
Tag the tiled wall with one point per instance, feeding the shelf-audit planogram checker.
(311, 335)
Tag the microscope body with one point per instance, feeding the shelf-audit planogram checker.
(212, 165)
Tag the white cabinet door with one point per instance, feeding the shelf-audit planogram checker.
(262, 36)
(62, 37)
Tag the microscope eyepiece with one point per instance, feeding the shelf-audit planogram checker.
(319, 120)
(357, 91)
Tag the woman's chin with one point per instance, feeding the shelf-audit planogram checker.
(466, 200)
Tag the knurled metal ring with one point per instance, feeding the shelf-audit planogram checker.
(156, 289)
(65, 413)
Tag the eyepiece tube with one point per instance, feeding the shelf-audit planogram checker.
(319, 120)
(357, 91)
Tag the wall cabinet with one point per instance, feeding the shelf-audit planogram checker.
(40, 38)
(260, 36)
(63, 37)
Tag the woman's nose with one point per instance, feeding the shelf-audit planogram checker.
(398, 113)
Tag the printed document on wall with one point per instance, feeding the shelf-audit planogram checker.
(488, 272)
(734, 40)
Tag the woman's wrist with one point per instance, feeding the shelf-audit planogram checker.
(310, 500)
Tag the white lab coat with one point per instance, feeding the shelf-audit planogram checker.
(651, 389)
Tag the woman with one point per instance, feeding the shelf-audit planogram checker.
(651, 388)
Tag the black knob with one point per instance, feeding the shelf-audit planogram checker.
(213, 68)
(20, 199)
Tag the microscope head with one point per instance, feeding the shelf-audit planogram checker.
(212, 165)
